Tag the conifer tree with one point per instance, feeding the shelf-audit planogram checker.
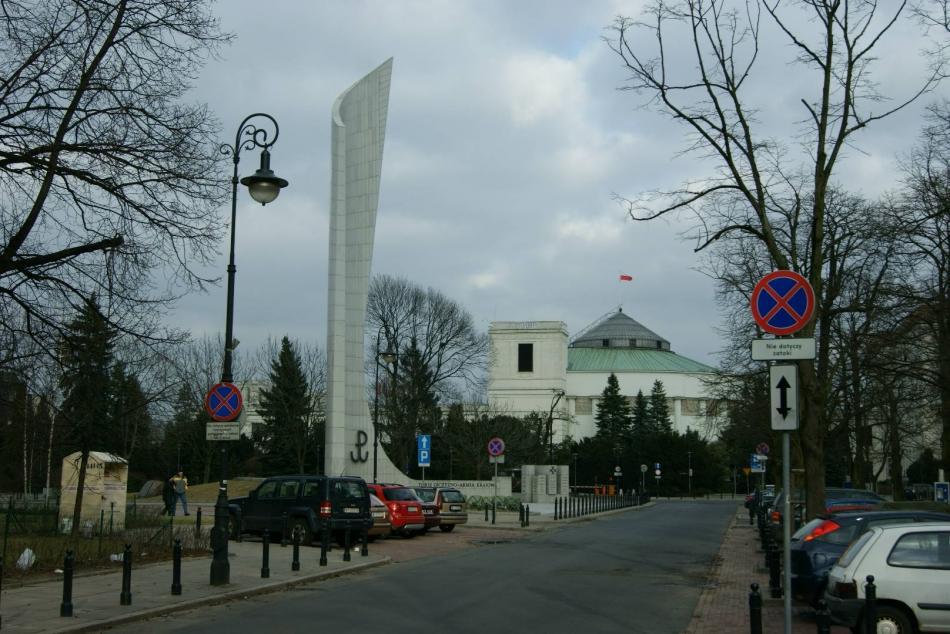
(87, 356)
(286, 436)
(660, 420)
(613, 418)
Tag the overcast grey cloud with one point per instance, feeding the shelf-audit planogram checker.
(507, 139)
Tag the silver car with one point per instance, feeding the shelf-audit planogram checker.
(911, 568)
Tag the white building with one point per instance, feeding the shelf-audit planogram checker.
(535, 368)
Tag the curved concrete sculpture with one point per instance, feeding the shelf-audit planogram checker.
(358, 133)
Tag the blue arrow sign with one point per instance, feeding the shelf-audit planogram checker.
(424, 448)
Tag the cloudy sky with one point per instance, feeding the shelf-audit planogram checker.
(507, 141)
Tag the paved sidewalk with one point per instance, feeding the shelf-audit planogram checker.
(35, 607)
(723, 607)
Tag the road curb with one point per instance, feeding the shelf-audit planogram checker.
(241, 593)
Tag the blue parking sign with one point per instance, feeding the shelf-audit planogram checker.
(424, 449)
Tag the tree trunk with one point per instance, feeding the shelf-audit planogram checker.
(80, 486)
(812, 434)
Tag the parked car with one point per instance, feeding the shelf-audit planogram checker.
(310, 504)
(430, 509)
(817, 545)
(382, 521)
(405, 509)
(453, 509)
(837, 500)
(911, 568)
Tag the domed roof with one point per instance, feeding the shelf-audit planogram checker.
(620, 331)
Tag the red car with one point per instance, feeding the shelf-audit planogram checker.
(404, 507)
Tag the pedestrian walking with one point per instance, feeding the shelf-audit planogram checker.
(180, 484)
(168, 497)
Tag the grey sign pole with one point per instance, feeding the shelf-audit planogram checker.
(787, 529)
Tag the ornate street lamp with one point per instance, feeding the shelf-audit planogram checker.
(264, 186)
(389, 358)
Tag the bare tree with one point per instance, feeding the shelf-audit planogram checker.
(759, 188)
(443, 331)
(106, 175)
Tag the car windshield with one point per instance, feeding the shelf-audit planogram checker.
(426, 495)
(400, 495)
(453, 496)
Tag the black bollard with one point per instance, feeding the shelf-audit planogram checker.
(755, 610)
(493, 513)
(346, 543)
(556, 500)
(176, 568)
(521, 515)
(284, 532)
(775, 571)
(486, 512)
(198, 523)
(823, 618)
(527, 515)
(125, 598)
(265, 563)
(364, 548)
(870, 606)
(66, 607)
(295, 564)
(324, 538)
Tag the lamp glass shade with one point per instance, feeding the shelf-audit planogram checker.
(263, 191)
(388, 357)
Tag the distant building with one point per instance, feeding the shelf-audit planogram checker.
(535, 368)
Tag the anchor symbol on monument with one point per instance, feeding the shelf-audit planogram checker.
(362, 438)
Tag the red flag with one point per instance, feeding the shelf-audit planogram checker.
(626, 278)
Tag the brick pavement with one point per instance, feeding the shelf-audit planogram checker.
(723, 607)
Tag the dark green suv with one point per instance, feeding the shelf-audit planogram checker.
(310, 504)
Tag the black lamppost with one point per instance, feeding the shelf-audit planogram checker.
(264, 186)
(558, 395)
(389, 357)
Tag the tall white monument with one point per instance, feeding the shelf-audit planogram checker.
(358, 132)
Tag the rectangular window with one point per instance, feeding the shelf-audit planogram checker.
(525, 357)
(712, 408)
(689, 407)
(605, 343)
(288, 489)
(582, 406)
(922, 550)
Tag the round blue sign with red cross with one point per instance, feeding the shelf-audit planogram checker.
(782, 302)
(496, 447)
(224, 402)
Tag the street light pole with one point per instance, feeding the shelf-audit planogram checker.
(264, 186)
(558, 394)
(389, 357)
(689, 473)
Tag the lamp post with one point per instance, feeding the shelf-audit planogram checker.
(574, 455)
(389, 357)
(558, 395)
(264, 186)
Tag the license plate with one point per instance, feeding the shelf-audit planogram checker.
(351, 509)
(379, 516)
(427, 511)
(455, 507)
(413, 509)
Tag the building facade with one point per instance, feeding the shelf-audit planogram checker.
(535, 367)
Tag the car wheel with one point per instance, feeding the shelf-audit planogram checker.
(303, 531)
(446, 528)
(893, 620)
(408, 534)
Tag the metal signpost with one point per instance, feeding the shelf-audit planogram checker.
(496, 455)
(424, 451)
(782, 303)
(643, 473)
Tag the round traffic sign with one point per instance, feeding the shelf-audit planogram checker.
(762, 448)
(782, 302)
(643, 468)
(496, 446)
(224, 402)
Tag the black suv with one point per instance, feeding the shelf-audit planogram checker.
(310, 503)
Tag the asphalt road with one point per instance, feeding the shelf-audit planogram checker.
(638, 571)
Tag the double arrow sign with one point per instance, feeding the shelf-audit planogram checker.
(783, 381)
